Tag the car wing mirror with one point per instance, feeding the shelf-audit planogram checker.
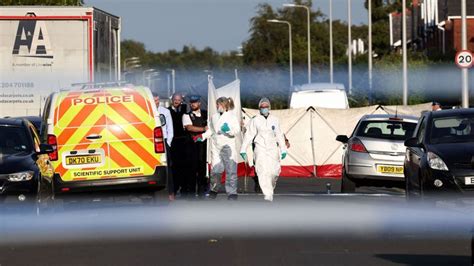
(413, 142)
(162, 120)
(342, 138)
(45, 149)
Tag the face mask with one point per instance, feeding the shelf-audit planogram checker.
(220, 110)
(264, 111)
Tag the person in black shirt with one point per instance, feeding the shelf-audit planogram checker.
(195, 123)
(179, 146)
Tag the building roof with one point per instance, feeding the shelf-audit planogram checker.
(449, 8)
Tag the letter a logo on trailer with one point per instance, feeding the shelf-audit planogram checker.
(32, 40)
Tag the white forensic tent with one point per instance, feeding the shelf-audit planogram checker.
(312, 132)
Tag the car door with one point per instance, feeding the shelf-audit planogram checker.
(131, 123)
(81, 132)
(42, 161)
(415, 154)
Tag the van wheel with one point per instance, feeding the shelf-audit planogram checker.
(347, 184)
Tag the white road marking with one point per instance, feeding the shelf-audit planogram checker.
(329, 195)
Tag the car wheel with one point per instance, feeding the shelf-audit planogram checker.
(347, 184)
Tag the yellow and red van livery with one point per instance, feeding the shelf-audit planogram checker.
(105, 137)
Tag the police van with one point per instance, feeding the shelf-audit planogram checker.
(104, 138)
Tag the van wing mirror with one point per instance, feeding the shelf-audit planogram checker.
(45, 149)
(162, 120)
(342, 138)
(412, 142)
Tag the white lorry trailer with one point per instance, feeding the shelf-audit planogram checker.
(44, 49)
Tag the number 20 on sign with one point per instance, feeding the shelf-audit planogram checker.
(464, 59)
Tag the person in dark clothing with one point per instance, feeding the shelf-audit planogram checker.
(180, 143)
(195, 123)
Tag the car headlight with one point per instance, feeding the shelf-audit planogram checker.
(21, 176)
(436, 163)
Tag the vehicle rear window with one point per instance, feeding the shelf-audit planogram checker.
(452, 130)
(391, 130)
(13, 140)
(112, 107)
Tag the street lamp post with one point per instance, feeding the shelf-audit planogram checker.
(369, 7)
(465, 82)
(289, 44)
(404, 48)
(349, 44)
(331, 61)
(308, 11)
(168, 84)
(173, 79)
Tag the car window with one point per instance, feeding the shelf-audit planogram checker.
(13, 140)
(36, 139)
(420, 135)
(452, 129)
(392, 130)
(44, 124)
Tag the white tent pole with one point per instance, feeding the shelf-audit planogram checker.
(312, 144)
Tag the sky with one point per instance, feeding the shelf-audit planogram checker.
(220, 24)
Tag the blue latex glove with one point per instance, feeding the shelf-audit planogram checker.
(200, 140)
(225, 128)
(283, 155)
(244, 156)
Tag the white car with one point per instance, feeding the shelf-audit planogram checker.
(322, 95)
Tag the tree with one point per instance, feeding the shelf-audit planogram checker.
(189, 58)
(268, 43)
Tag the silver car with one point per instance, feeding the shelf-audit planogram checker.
(375, 152)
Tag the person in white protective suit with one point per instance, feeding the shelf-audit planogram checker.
(224, 127)
(264, 130)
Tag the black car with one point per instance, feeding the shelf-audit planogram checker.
(440, 156)
(23, 160)
(35, 120)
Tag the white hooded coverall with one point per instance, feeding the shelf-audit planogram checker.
(269, 142)
(223, 151)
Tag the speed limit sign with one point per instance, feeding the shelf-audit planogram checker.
(464, 59)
